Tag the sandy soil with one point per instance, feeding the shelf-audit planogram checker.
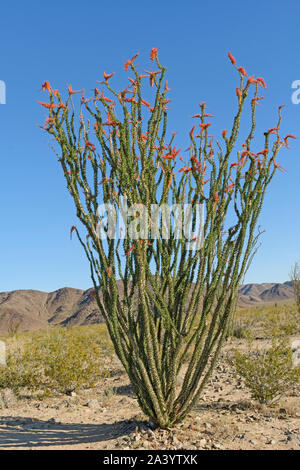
(108, 417)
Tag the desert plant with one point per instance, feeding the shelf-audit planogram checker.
(176, 302)
(241, 329)
(268, 373)
(295, 279)
(261, 320)
(59, 360)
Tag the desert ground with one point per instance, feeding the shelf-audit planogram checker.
(107, 416)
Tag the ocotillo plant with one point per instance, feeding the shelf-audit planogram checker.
(295, 279)
(175, 306)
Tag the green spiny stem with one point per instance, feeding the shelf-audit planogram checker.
(165, 306)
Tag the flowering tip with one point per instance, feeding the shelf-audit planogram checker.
(238, 92)
(231, 58)
(108, 75)
(242, 71)
(261, 81)
(130, 62)
(72, 230)
(46, 86)
(153, 53)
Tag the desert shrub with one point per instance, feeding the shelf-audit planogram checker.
(268, 373)
(284, 321)
(61, 360)
(241, 328)
(19, 371)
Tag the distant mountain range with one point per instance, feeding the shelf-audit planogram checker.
(32, 309)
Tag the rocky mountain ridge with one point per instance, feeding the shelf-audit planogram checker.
(33, 309)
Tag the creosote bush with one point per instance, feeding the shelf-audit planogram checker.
(177, 302)
(267, 373)
(59, 360)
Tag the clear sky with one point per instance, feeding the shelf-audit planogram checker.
(73, 42)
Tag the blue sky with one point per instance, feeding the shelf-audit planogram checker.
(71, 42)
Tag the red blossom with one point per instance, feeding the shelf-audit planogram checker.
(48, 105)
(130, 62)
(153, 53)
(90, 145)
(251, 80)
(72, 230)
(242, 71)
(231, 58)
(71, 92)
(172, 154)
(108, 75)
(129, 250)
(192, 131)
(46, 86)
(261, 81)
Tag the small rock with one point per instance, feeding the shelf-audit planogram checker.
(150, 434)
(296, 352)
(94, 404)
(216, 446)
(271, 442)
(202, 442)
(293, 437)
(252, 442)
(176, 442)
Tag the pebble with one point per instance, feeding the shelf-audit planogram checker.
(293, 437)
(94, 404)
(175, 441)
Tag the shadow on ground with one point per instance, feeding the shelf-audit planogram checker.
(29, 432)
(126, 390)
